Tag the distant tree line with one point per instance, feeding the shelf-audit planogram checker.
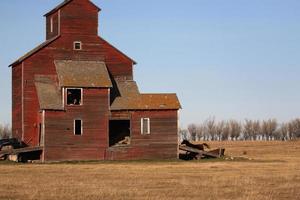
(5, 131)
(212, 130)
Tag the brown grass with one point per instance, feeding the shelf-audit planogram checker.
(273, 174)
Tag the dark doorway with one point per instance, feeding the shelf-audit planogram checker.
(119, 132)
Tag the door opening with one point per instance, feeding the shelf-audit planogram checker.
(119, 132)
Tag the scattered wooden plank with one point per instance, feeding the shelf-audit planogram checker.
(21, 150)
(217, 153)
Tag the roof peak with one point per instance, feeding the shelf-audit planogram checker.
(64, 3)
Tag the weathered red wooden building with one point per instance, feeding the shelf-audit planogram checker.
(75, 96)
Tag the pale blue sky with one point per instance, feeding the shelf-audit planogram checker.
(225, 58)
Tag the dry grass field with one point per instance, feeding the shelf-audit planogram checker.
(273, 172)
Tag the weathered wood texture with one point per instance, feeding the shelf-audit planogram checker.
(79, 18)
(161, 143)
(217, 153)
(55, 26)
(93, 48)
(78, 21)
(60, 141)
(17, 102)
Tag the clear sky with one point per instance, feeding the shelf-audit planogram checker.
(229, 59)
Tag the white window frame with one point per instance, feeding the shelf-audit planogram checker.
(66, 96)
(148, 126)
(74, 129)
(74, 45)
(51, 25)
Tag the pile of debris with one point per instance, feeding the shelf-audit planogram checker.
(124, 142)
(190, 151)
(14, 150)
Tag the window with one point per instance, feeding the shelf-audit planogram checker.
(51, 24)
(74, 96)
(77, 127)
(77, 45)
(145, 126)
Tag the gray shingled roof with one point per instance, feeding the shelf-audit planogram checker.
(48, 92)
(131, 99)
(92, 74)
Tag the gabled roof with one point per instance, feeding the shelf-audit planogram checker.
(48, 92)
(66, 2)
(131, 99)
(33, 51)
(92, 74)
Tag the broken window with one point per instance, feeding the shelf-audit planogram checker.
(77, 45)
(78, 127)
(74, 96)
(145, 126)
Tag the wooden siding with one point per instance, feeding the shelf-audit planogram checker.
(161, 143)
(17, 101)
(60, 141)
(79, 17)
(42, 62)
(55, 31)
(79, 22)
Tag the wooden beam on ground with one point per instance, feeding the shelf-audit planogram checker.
(21, 150)
(212, 154)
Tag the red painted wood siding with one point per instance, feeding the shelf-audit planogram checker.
(55, 22)
(162, 142)
(79, 17)
(60, 141)
(43, 63)
(79, 22)
(17, 101)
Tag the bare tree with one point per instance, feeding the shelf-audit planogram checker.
(248, 129)
(200, 131)
(183, 134)
(282, 132)
(226, 131)
(269, 128)
(294, 128)
(192, 128)
(5, 131)
(256, 127)
(235, 129)
(210, 128)
(219, 130)
(251, 129)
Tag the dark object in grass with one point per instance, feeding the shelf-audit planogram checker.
(13, 143)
